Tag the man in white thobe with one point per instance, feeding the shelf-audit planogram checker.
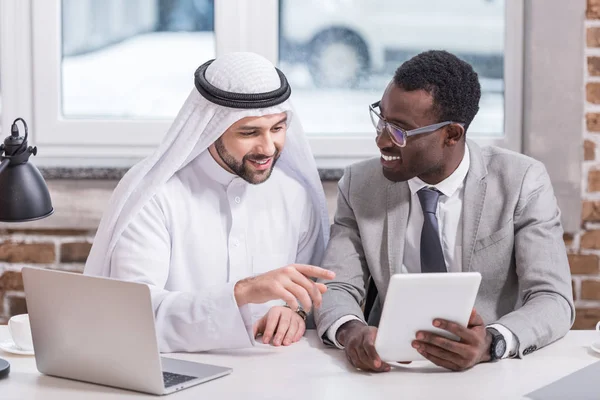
(221, 222)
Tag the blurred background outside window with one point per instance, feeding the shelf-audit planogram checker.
(135, 59)
(340, 55)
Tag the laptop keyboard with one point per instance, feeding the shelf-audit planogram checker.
(171, 379)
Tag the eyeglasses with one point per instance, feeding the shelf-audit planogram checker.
(399, 135)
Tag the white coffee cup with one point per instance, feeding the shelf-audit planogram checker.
(20, 330)
(596, 345)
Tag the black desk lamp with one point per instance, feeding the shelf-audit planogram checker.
(23, 192)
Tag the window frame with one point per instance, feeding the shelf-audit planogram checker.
(30, 56)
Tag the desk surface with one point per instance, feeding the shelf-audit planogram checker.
(308, 370)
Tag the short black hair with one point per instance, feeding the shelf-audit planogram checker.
(452, 83)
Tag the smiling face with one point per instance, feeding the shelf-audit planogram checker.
(250, 147)
(433, 87)
(423, 154)
(429, 155)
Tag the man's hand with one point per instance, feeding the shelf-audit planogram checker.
(287, 283)
(359, 342)
(286, 326)
(473, 347)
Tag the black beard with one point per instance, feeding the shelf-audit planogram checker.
(241, 169)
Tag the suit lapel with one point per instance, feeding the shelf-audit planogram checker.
(473, 200)
(398, 207)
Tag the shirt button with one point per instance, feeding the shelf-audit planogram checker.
(238, 200)
(235, 242)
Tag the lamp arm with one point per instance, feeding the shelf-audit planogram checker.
(3, 164)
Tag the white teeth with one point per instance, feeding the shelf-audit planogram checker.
(389, 158)
(261, 162)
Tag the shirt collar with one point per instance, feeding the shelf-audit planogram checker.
(213, 170)
(449, 185)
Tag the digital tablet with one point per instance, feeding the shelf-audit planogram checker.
(413, 301)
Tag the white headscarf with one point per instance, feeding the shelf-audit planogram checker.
(199, 124)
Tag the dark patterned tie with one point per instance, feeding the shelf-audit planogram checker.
(432, 256)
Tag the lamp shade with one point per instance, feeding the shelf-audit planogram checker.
(24, 195)
(23, 192)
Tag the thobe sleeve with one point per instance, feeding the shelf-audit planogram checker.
(185, 321)
(311, 247)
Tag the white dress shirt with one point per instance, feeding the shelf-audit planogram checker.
(201, 233)
(449, 216)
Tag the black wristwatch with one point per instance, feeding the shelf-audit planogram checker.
(498, 346)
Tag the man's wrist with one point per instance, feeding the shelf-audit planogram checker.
(487, 355)
(343, 331)
(240, 290)
(300, 312)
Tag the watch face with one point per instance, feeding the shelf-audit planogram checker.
(500, 348)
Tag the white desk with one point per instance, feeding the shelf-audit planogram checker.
(307, 370)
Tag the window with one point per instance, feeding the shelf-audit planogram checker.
(132, 59)
(100, 80)
(340, 55)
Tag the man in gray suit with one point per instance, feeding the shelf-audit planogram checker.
(435, 201)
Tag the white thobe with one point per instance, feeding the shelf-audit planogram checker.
(203, 231)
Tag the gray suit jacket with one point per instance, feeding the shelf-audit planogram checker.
(511, 234)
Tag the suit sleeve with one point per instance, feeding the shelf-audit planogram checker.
(344, 256)
(542, 267)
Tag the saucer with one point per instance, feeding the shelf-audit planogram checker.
(595, 346)
(11, 347)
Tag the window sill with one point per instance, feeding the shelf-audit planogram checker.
(50, 173)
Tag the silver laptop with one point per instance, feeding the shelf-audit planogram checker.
(102, 331)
